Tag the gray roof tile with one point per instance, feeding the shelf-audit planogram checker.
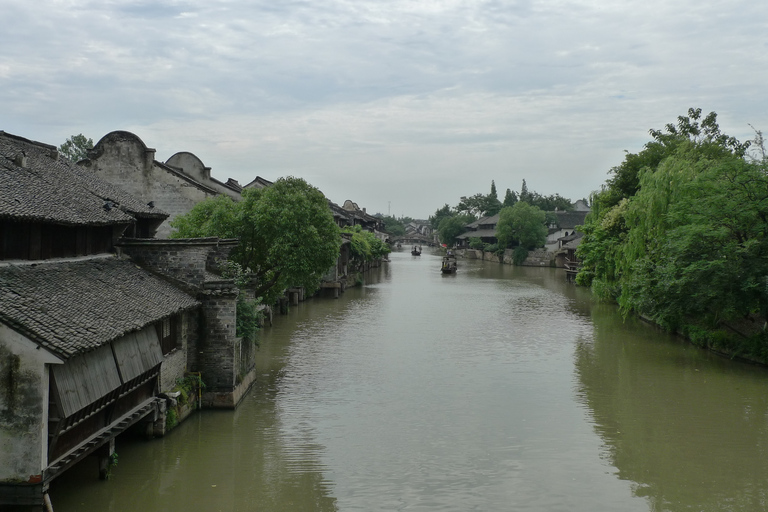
(71, 307)
(38, 186)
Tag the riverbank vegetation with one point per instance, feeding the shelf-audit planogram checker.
(365, 247)
(678, 235)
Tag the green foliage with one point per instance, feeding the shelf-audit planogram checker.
(76, 147)
(480, 204)
(519, 255)
(188, 386)
(440, 214)
(492, 203)
(472, 206)
(678, 234)
(171, 419)
(451, 227)
(698, 246)
(510, 198)
(522, 223)
(492, 248)
(476, 243)
(365, 246)
(286, 231)
(248, 318)
(393, 226)
(111, 465)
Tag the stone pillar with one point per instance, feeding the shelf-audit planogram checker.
(217, 343)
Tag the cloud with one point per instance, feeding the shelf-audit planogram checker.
(415, 102)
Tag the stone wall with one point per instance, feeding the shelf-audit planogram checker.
(217, 348)
(176, 363)
(539, 258)
(186, 260)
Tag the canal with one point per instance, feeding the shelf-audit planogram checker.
(498, 388)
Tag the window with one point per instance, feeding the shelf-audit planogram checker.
(167, 331)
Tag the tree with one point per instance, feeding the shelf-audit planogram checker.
(522, 223)
(472, 206)
(440, 214)
(524, 195)
(683, 240)
(452, 227)
(510, 198)
(393, 226)
(76, 147)
(605, 229)
(492, 203)
(697, 247)
(286, 231)
(365, 246)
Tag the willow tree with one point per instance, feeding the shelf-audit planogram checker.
(286, 231)
(606, 231)
(697, 247)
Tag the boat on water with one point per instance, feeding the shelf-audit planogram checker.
(416, 251)
(449, 265)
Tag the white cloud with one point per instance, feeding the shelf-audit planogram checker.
(411, 102)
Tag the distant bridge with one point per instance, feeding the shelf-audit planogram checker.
(412, 239)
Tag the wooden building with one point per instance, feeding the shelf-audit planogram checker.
(88, 338)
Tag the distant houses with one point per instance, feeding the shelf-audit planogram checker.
(561, 232)
(102, 317)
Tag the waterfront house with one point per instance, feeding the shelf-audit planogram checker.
(563, 227)
(483, 228)
(89, 339)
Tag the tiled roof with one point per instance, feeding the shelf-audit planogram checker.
(484, 221)
(569, 220)
(37, 185)
(480, 233)
(70, 307)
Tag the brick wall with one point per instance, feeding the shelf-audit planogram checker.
(184, 260)
(176, 363)
(218, 346)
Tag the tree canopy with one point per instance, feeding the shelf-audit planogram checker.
(365, 246)
(286, 231)
(678, 234)
(76, 147)
(393, 226)
(452, 227)
(522, 223)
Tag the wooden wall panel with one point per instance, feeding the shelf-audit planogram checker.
(86, 378)
(138, 352)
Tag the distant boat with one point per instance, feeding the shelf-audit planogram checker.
(416, 251)
(449, 265)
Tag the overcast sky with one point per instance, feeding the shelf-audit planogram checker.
(401, 106)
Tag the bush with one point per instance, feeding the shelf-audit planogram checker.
(519, 255)
(248, 318)
(476, 243)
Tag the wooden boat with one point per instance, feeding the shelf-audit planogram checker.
(449, 264)
(416, 251)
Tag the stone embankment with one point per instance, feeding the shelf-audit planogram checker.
(537, 258)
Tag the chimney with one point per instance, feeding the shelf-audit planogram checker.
(20, 159)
